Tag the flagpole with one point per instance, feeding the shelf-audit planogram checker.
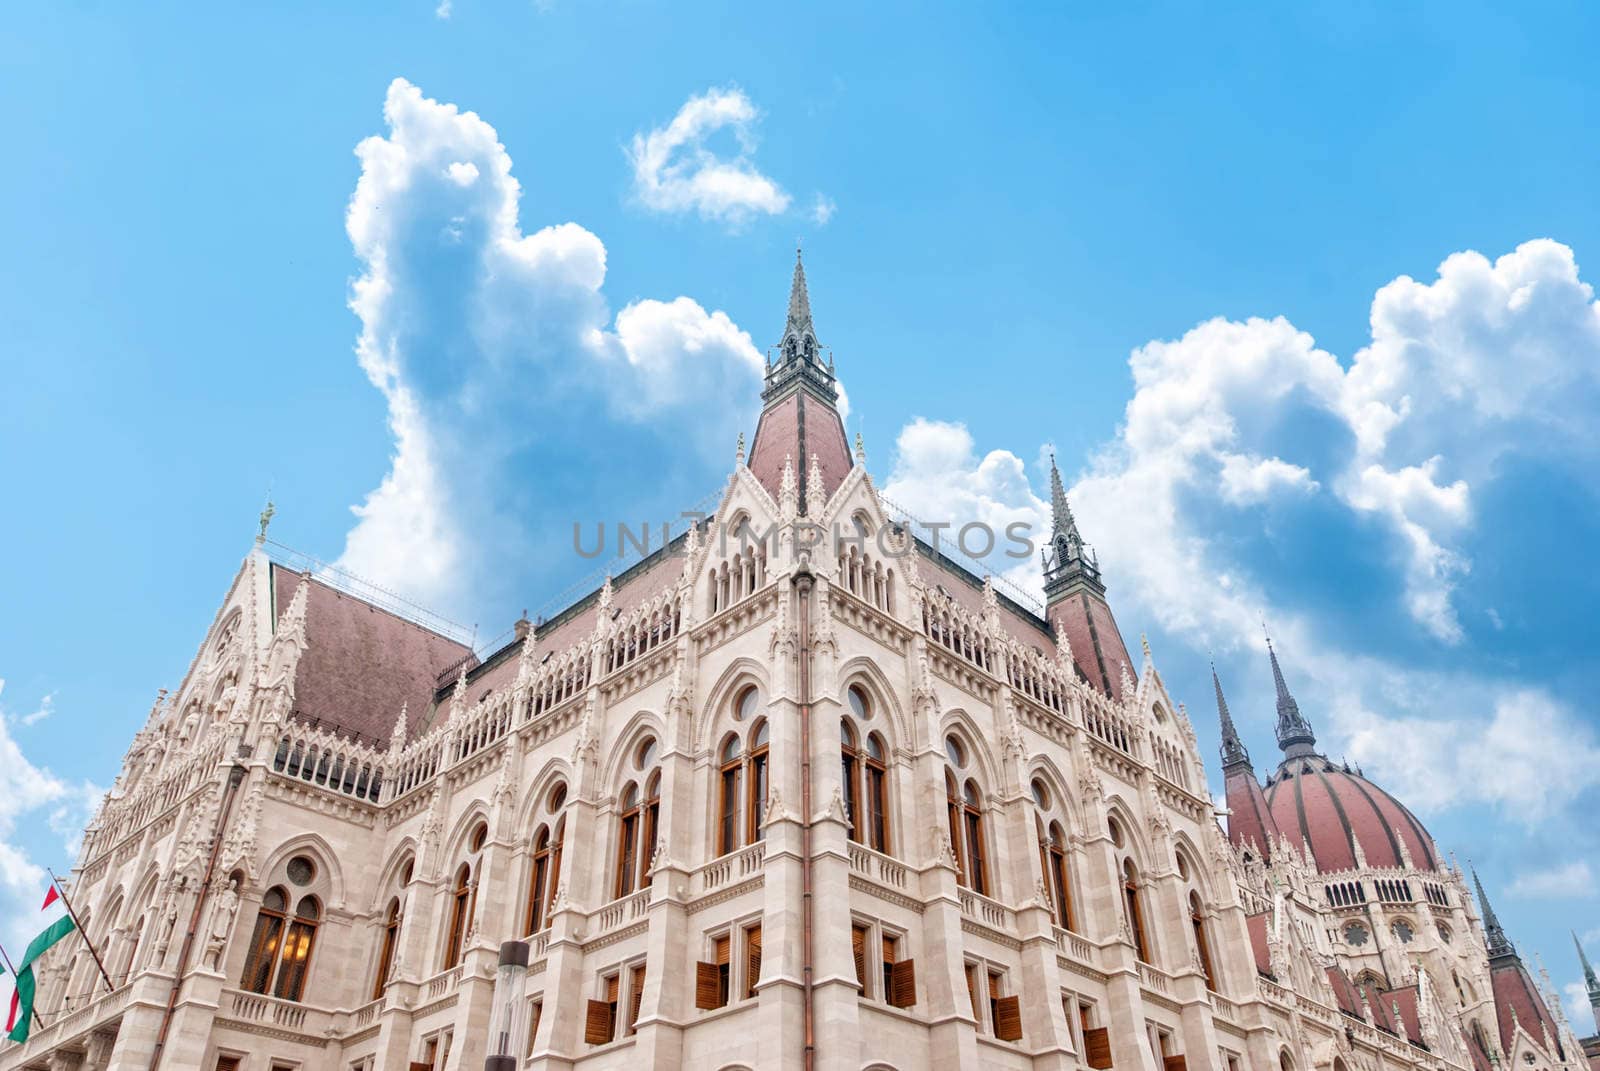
(81, 931)
(13, 971)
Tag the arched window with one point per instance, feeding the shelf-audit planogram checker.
(850, 771)
(964, 810)
(1197, 921)
(1053, 854)
(1132, 910)
(627, 841)
(649, 824)
(542, 880)
(460, 914)
(281, 946)
(391, 935)
(756, 810)
(875, 795)
(972, 812)
(728, 775)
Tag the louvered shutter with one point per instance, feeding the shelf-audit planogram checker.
(1008, 1019)
(597, 1023)
(421, 1065)
(1174, 1063)
(706, 986)
(1097, 1046)
(752, 967)
(858, 946)
(903, 984)
(635, 997)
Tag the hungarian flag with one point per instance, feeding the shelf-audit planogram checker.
(58, 927)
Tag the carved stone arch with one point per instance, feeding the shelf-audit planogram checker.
(1062, 797)
(619, 762)
(1134, 844)
(144, 890)
(719, 697)
(972, 738)
(456, 843)
(864, 671)
(735, 1067)
(389, 874)
(330, 873)
(530, 812)
(878, 1066)
(1199, 868)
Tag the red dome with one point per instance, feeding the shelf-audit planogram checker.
(1334, 809)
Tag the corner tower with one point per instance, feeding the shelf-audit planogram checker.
(1075, 597)
(800, 416)
(1249, 817)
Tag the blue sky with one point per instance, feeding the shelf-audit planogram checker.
(1176, 246)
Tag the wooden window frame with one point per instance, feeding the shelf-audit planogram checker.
(729, 773)
(752, 961)
(1134, 910)
(1197, 922)
(756, 786)
(649, 826)
(850, 777)
(627, 844)
(391, 935)
(265, 943)
(535, 918)
(875, 798)
(860, 941)
(972, 827)
(460, 896)
(636, 977)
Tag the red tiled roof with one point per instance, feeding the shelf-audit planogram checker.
(1514, 992)
(797, 427)
(1096, 641)
(1345, 993)
(1334, 809)
(361, 663)
(1249, 817)
(1257, 925)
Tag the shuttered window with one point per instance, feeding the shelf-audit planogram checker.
(890, 954)
(705, 986)
(597, 1023)
(1008, 1019)
(903, 984)
(1097, 1047)
(635, 995)
(858, 948)
(1173, 1063)
(535, 1013)
(972, 992)
(995, 996)
(752, 960)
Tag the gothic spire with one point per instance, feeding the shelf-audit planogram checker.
(800, 361)
(799, 301)
(1497, 942)
(1589, 980)
(1294, 731)
(1233, 751)
(1066, 558)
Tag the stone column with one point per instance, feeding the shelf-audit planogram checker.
(668, 1000)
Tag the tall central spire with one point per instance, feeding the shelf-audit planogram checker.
(799, 363)
(1294, 731)
(1590, 982)
(1233, 750)
(1066, 559)
(1498, 944)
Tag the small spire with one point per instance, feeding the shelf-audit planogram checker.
(1294, 731)
(1066, 559)
(1589, 980)
(799, 301)
(738, 451)
(265, 519)
(1497, 943)
(1233, 749)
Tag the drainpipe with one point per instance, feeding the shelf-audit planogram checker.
(802, 586)
(235, 778)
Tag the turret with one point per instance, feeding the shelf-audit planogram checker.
(1075, 597)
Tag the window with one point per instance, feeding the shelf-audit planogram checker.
(713, 978)
(1403, 931)
(280, 948)
(635, 996)
(728, 797)
(1053, 862)
(228, 1063)
(391, 934)
(964, 806)
(972, 994)
(859, 937)
(1133, 912)
(1355, 934)
(972, 812)
(545, 876)
(649, 827)
(1202, 947)
(752, 960)
(301, 871)
(875, 796)
(1005, 1012)
(600, 1020)
(480, 835)
(756, 809)
(850, 772)
(460, 914)
(899, 975)
(627, 841)
(638, 823)
(535, 1013)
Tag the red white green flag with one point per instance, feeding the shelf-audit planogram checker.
(59, 925)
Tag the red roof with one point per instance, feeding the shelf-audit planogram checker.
(1249, 817)
(361, 663)
(797, 427)
(1334, 809)
(1514, 992)
(1257, 925)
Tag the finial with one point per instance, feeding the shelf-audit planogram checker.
(265, 519)
(1496, 940)
(1144, 641)
(861, 450)
(738, 451)
(1294, 731)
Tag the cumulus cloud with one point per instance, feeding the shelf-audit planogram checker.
(939, 479)
(1569, 881)
(822, 210)
(1236, 420)
(32, 795)
(485, 339)
(677, 170)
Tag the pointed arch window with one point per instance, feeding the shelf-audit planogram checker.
(875, 794)
(850, 773)
(729, 772)
(1132, 910)
(281, 946)
(546, 873)
(460, 913)
(1053, 857)
(865, 774)
(756, 809)
(391, 937)
(964, 809)
(627, 841)
(1202, 947)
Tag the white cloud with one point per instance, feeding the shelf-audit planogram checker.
(1403, 436)
(675, 169)
(822, 210)
(32, 794)
(444, 10)
(480, 335)
(1573, 880)
(938, 478)
(1578, 1010)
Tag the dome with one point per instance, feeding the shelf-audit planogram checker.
(1335, 809)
